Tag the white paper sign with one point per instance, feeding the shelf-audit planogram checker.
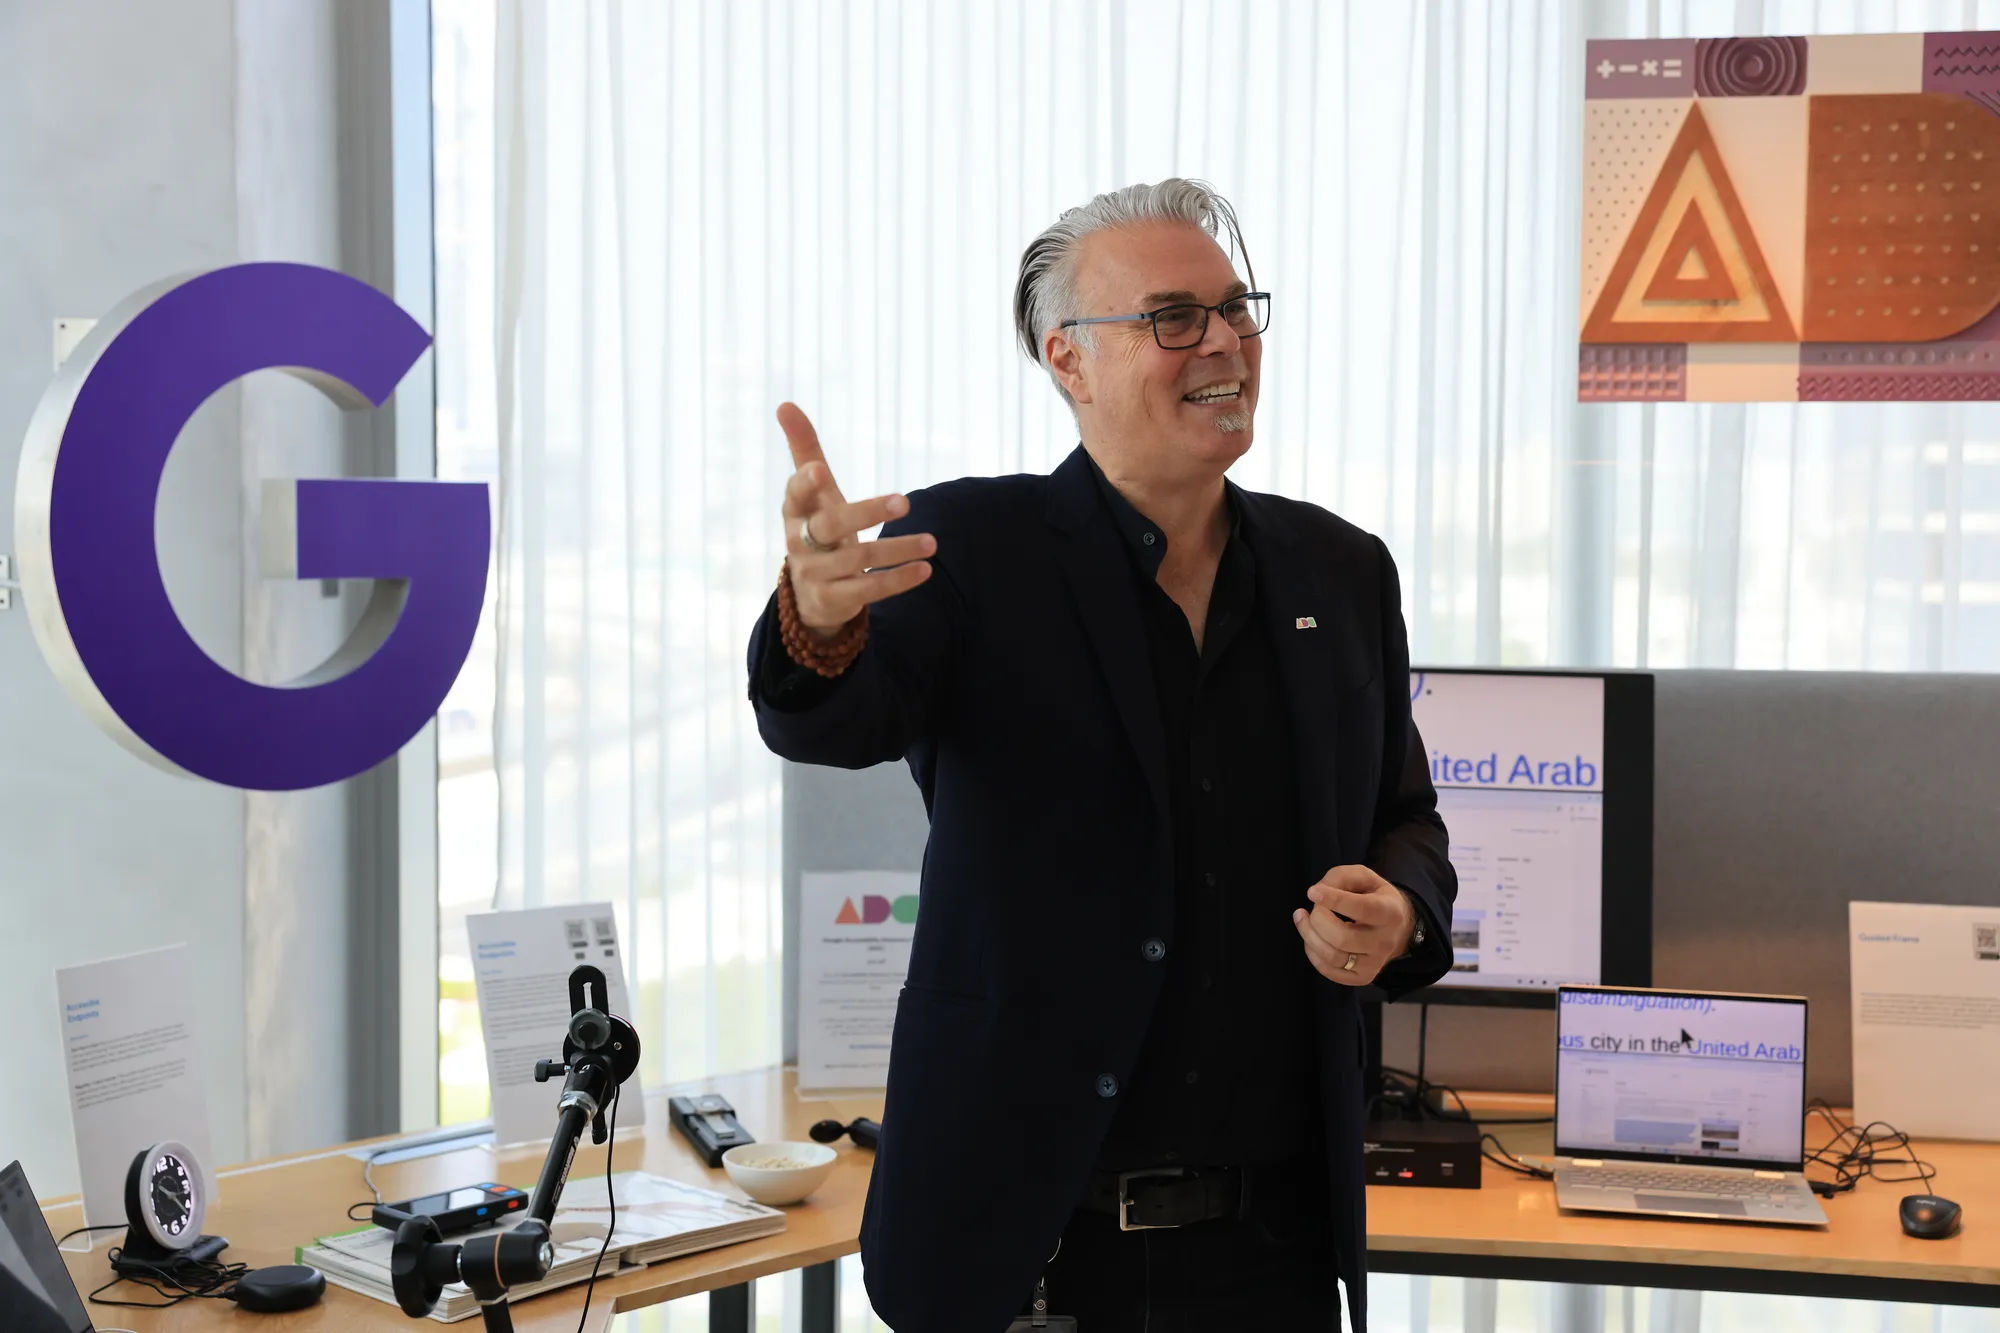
(855, 929)
(1926, 998)
(521, 963)
(134, 1070)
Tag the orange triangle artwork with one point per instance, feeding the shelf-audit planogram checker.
(848, 916)
(1690, 270)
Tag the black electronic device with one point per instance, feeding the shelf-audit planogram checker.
(459, 1211)
(36, 1294)
(600, 1053)
(709, 1123)
(1928, 1217)
(1441, 1153)
(1545, 779)
(278, 1288)
(866, 1133)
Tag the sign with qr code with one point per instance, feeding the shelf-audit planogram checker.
(1922, 1001)
(521, 966)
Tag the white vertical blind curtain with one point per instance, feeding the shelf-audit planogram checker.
(707, 206)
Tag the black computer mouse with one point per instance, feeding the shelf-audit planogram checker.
(1927, 1217)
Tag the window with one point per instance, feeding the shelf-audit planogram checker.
(468, 787)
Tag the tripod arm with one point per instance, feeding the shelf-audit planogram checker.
(601, 1052)
(591, 1080)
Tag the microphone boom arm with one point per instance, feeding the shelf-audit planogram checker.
(600, 1052)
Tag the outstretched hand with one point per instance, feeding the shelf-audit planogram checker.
(834, 575)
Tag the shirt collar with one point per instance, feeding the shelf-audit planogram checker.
(1143, 537)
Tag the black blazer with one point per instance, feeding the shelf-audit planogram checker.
(1014, 681)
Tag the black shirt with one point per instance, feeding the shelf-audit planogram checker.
(1224, 1075)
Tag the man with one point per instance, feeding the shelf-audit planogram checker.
(1178, 814)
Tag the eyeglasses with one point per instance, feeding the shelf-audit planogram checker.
(1179, 326)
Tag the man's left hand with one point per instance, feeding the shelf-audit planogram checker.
(1380, 921)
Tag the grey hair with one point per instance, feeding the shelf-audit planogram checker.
(1046, 293)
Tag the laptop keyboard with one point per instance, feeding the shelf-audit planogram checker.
(1721, 1184)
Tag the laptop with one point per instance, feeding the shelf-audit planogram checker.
(36, 1294)
(1682, 1104)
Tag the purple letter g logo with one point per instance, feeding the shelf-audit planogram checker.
(89, 481)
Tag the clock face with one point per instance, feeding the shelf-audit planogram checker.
(172, 1194)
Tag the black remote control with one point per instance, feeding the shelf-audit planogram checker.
(709, 1122)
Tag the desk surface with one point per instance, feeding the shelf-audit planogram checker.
(1512, 1225)
(1509, 1227)
(268, 1209)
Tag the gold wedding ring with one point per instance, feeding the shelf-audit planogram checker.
(806, 536)
(1348, 966)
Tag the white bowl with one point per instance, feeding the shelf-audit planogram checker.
(777, 1185)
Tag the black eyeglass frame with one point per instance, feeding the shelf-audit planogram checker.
(1152, 317)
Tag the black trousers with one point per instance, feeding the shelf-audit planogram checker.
(1267, 1270)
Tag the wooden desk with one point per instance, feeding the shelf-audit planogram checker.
(1510, 1228)
(267, 1209)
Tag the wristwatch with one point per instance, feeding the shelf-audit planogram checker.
(1417, 936)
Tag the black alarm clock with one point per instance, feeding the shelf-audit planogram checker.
(165, 1203)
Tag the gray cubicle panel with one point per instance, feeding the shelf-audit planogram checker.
(1779, 797)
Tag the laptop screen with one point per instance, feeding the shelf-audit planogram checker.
(1681, 1076)
(36, 1294)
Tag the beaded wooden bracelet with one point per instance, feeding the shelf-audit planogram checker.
(828, 660)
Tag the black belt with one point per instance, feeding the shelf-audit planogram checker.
(1167, 1196)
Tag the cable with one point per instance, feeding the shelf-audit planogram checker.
(189, 1278)
(1500, 1156)
(1423, 1052)
(368, 1179)
(113, 1226)
(610, 1146)
(1856, 1152)
(1418, 1093)
(1415, 1096)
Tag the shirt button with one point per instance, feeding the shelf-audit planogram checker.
(1107, 1086)
(1206, 982)
(1147, 538)
(1154, 950)
(1210, 879)
(1193, 1076)
(1206, 785)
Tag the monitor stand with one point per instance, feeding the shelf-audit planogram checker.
(1371, 1057)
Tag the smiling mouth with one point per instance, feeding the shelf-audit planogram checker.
(1215, 394)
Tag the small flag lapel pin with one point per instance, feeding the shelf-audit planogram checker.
(1305, 622)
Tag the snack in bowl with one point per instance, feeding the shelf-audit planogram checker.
(778, 1173)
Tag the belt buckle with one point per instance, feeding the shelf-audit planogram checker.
(1125, 1178)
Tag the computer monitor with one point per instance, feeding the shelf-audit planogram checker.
(36, 1294)
(1545, 782)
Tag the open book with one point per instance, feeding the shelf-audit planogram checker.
(657, 1219)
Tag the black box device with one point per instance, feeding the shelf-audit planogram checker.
(710, 1124)
(461, 1210)
(1421, 1152)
